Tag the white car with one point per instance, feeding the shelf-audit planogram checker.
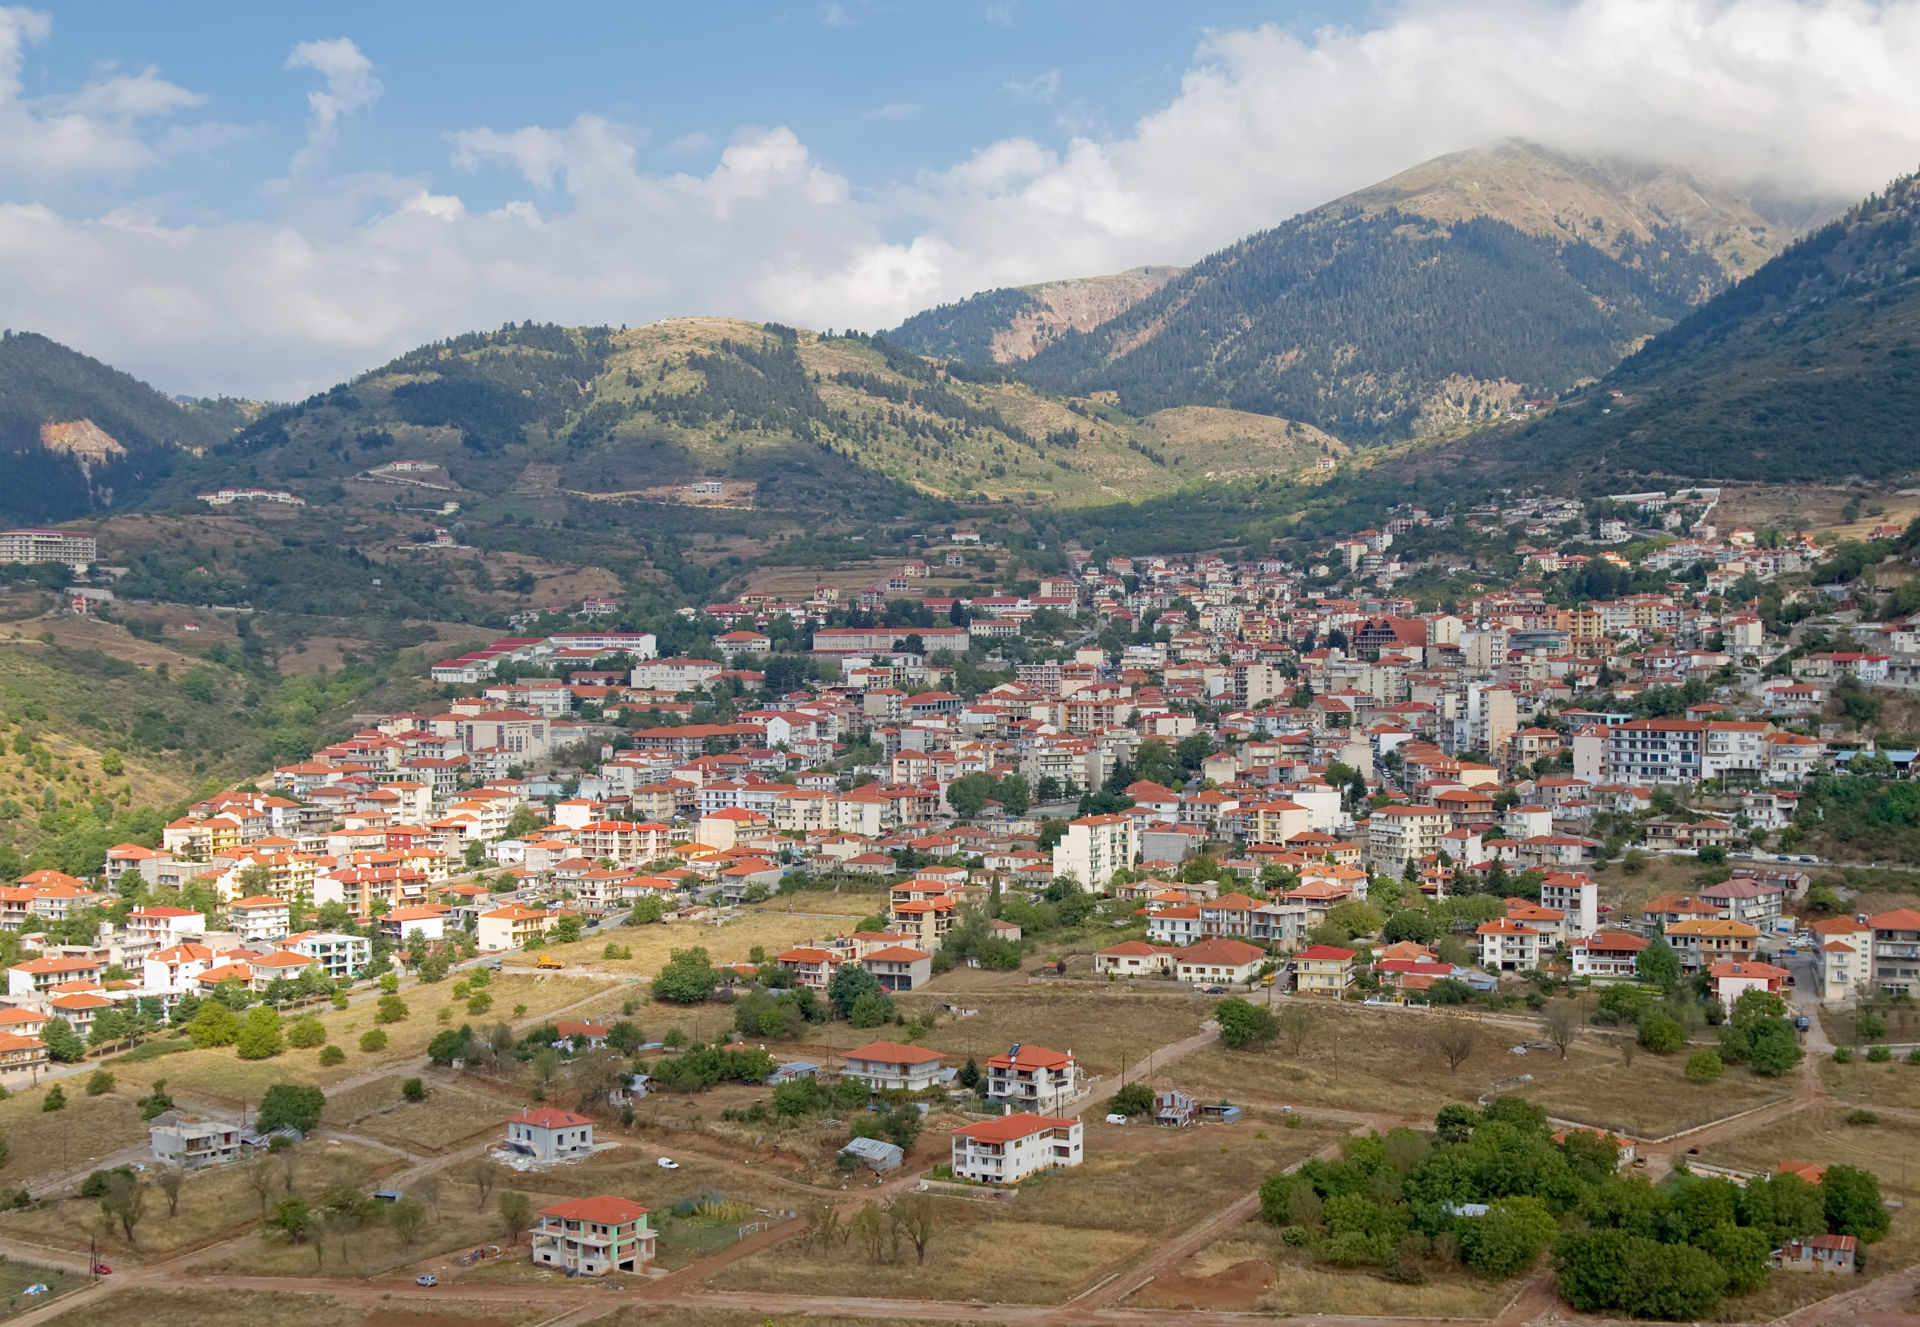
(667, 1163)
(1115, 1118)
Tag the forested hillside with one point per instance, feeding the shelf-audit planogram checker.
(802, 421)
(1441, 298)
(1008, 325)
(75, 434)
(1809, 369)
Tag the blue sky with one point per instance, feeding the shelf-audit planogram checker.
(265, 199)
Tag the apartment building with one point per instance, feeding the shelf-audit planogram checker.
(1093, 848)
(1009, 1149)
(594, 1236)
(1032, 1078)
(1404, 834)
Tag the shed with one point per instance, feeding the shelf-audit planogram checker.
(1221, 1111)
(792, 1069)
(875, 1154)
(1174, 1108)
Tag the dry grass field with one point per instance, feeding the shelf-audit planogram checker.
(1653, 1098)
(42, 1144)
(775, 925)
(1252, 1271)
(458, 1110)
(638, 1316)
(16, 1277)
(219, 1308)
(213, 1205)
(968, 1258)
(1895, 1085)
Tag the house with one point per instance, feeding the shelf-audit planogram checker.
(1510, 946)
(1032, 1078)
(19, 1052)
(898, 968)
(340, 956)
(1733, 979)
(262, 917)
(594, 1236)
(1833, 1254)
(546, 1133)
(1843, 948)
(1218, 962)
(809, 965)
(180, 1139)
(1609, 954)
(1135, 958)
(1323, 970)
(510, 927)
(889, 1066)
(581, 1036)
(1009, 1149)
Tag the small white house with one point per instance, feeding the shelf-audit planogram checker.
(547, 1133)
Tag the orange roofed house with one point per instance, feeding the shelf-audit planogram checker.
(888, 1066)
(1009, 1149)
(594, 1236)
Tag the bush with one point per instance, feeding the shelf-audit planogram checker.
(1843, 1055)
(100, 1082)
(1705, 1066)
(413, 1090)
(1132, 1099)
(1879, 1054)
(374, 1041)
(1660, 1034)
(306, 1033)
(290, 1104)
(1295, 1237)
(56, 1099)
(1245, 1026)
(391, 1009)
(331, 1055)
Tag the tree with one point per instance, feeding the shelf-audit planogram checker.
(1508, 1239)
(1455, 1038)
(483, 1174)
(1295, 1027)
(1660, 1034)
(1244, 1026)
(63, 1043)
(1704, 1066)
(373, 1041)
(847, 986)
(124, 1203)
(1742, 1253)
(408, 1217)
(1600, 1270)
(306, 1033)
(100, 1082)
(687, 978)
(1851, 1197)
(331, 1055)
(516, 1214)
(969, 1074)
(1561, 1026)
(259, 1037)
(259, 1175)
(290, 1104)
(871, 1010)
(56, 1099)
(1660, 965)
(1132, 1099)
(413, 1090)
(391, 1009)
(170, 1179)
(214, 1025)
(913, 1214)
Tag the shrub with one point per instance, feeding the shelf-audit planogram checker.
(306, 1033)
(1843, 1055)
(371, 1042)
(391, 1009)
(1705, 1066)
(56, 1099)
(1132, 1099)
(413, 1090)
(290, 1103)
(1295, 1237)
(1879, 1054)
(1660, 1034)
(100, 1082)
(331, 1055)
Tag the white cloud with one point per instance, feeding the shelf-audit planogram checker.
(1817, 95)
(895, 110)
(1042, 88)
(350, 86)
(100, 129)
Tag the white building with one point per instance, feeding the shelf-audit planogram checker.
(1009, 1149)
(1032, 1078)
(1093, 848)
(340, 956)
(547, 1133)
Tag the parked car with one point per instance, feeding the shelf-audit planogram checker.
(427, 1280)
(667, 1163)
(1115, 1118)
(101, 1269)
(1216, 990)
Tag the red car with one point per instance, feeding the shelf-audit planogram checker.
(101, 1269)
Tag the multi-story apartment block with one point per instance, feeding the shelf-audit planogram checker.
(1032, 1078)
(1093, 848)
(1403, 834)
(1009, 1149)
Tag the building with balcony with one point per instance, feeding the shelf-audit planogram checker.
(1013, 1147)
(594, 1236)
(1032, 1078)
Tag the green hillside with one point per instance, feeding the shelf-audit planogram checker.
(76, 434)
(1807, 370)
(1011, 324)
(792, 419)
(1438, 299)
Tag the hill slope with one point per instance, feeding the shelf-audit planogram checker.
(1807, 370)
(1434, 299)
(75, 433)
(802, 421)
(1015, 323)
